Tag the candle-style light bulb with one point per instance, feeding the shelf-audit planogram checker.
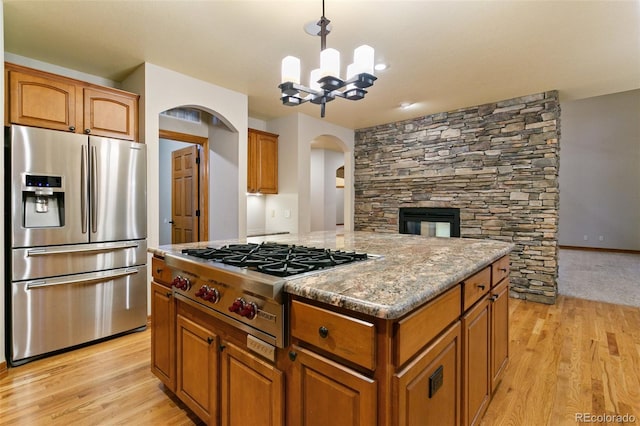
(290, 70)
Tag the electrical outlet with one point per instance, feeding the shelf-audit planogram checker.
(601, 238)
(287, 213)
(586, 237)
(273, 213)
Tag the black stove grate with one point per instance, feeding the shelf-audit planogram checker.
(277, 259)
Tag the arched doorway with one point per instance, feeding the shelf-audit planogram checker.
(198, 156)
(327, 158)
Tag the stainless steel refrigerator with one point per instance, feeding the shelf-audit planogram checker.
(76, 240)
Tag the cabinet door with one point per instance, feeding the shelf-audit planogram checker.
(427, 392)
(197, 368)
(110, 114)
(42, 102)
(262, 162)
(251, 390)
(475, 367)
(499, 331)
(163, 363)
(268, 164)
(326, 393)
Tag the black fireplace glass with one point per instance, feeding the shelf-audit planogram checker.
(430, 221)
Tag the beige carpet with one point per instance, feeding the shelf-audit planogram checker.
(599, 275)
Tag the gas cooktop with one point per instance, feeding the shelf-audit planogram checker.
(277, 259)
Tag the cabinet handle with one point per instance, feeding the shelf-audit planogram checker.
(494, 297)
(292, 355)
(209, 340)
(87, 131)
(502, 269)
(222, 347)
(72, 128)
(169, 294)
(481, 286)
(323, 331)
(159, 270)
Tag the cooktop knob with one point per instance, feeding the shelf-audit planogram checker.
(237, 305)
(177, 282)
(212, 295)
(202, 291)
(249, 310)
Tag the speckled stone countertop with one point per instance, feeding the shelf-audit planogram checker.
(410, 269)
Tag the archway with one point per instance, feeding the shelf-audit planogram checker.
(327, 209)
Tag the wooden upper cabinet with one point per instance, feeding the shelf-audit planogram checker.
(41, 102)
(262, 162)
(40, 99)
(111, 114)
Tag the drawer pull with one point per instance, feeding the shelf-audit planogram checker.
(323, 331)
(494, 297)
(209, 340)
(169, 294)
(159, 270)
(292, 355)
(502, 269)
(481, 286)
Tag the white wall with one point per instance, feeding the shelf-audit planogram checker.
(224, 193)
(600, 172)
(297, 132)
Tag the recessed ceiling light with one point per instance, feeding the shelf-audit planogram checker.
(380, 67)
(405, 105)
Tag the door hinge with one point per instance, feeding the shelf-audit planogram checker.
(198, 160)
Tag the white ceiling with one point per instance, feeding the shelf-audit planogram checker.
(443, 55)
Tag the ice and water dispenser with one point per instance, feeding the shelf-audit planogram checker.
(42, 201)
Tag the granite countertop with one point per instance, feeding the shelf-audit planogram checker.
(405, 272)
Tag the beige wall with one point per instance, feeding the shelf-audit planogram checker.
(600, 172)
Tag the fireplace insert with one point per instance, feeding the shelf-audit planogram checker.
(430, 221)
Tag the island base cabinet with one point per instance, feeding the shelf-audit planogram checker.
(475, 365)
(251, 391)
(323, 392)
(499, 331)
(197, 365)
(428, 390)
(163, 335)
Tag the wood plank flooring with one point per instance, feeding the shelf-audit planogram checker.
(566, 359)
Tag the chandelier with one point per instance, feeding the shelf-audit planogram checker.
(325, 83)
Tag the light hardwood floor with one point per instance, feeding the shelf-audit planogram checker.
(574, 357)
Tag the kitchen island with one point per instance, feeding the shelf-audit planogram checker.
(415, 334)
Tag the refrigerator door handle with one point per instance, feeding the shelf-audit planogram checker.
(68, 250)
(83, 189)
(93, 278)
(94, 189)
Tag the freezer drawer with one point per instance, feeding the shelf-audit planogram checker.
(52, 314)
(52, 261)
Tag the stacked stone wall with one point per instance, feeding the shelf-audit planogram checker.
(498, 163)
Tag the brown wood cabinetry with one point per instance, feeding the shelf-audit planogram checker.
(343, 336)
(324, 392)
(163, 333)
(437, 365)
(429, 388)
(499, 309)
(40, 99)
(251, 390)
(262, 162)
(475, 362)
(197, 367)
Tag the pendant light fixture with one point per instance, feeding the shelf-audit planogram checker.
(325, 83)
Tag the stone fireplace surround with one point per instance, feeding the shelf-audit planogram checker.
(498, 163)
